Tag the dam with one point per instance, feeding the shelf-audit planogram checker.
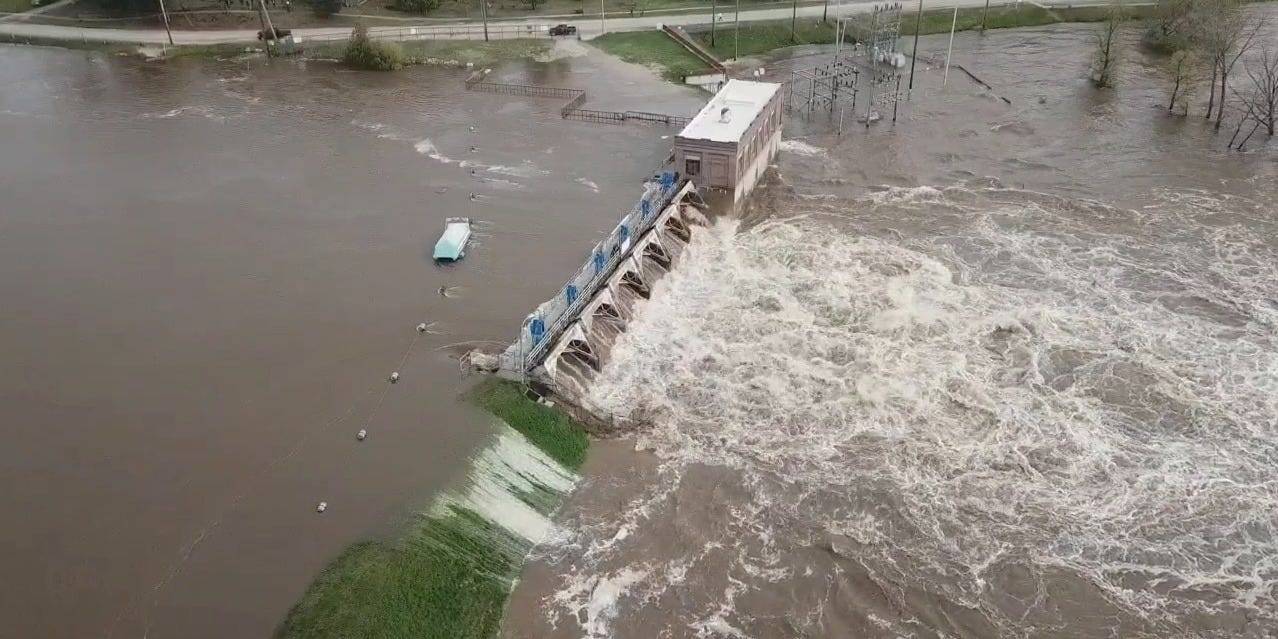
(715, 163)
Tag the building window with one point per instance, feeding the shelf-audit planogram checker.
(692, 165)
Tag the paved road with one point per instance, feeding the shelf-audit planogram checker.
(587, 27)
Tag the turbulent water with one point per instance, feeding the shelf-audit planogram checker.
(970, 407)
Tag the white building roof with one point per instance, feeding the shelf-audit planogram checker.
(743, 99)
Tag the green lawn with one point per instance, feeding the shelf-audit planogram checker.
(449, 576)
(15, 6)
(652, 49)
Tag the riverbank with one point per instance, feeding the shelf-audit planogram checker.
(659, 52)
(449, 576)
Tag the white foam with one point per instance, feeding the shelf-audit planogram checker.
(1102, 405)
(511, 465)
(427, 148)
(803, 148)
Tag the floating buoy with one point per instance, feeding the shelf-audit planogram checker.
(361, 434)
(323, 506)
(394, 377)
(472, 128)
(421, 328)
(473, 197)
(473, 148)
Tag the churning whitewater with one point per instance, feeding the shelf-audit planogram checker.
(1028, 416)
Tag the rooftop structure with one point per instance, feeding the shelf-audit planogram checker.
(743, 100)
(730, 142)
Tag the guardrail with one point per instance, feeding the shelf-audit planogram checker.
(551, 319)
(682, 38)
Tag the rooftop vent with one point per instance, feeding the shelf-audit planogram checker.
(725, 115)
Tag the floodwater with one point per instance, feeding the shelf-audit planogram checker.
(208, 271)
(997, 370)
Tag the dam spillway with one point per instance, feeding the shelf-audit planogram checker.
(566, 339)
(723, 150)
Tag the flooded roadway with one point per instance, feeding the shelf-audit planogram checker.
(209, 268)
(999, 370)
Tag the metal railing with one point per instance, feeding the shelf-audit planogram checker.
(576, 97)
(561, 310)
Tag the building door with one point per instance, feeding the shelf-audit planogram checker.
(719, 170)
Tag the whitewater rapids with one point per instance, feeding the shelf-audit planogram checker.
(1031, 416)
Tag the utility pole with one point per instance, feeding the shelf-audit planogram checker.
(950, 53)
(794, 13)
(714, 17)
(268, 28)
(166, 23)
(918, 23)
(483, 10)
(985, 15)
(603, 29)
(736, 32)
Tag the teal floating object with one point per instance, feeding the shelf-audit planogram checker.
(452, 244)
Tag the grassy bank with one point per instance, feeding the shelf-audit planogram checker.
(652, 49)
(548, 429)
(655, 50)
(449, 576)
(14, 6)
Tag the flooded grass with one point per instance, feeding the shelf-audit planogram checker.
(448, 52)
(757, 38)
(448, 578)
(450, 575)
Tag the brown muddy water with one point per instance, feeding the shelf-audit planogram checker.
(996, 371)
(208, 270)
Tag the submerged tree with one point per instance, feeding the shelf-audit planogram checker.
(1183, 69)
(1170, 25)
(1106, 57)
(1261, 101)
(1225, 33)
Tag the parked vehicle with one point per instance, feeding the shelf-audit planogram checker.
(563, 30)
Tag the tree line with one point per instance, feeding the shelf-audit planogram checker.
(1204, 41)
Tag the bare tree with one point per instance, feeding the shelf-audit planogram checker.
(1170, 25)
(1225, 34)
(1183, 69)
(1261, 101)
(1106, 56)
(1263, 74)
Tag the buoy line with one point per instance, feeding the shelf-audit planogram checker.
(189, 549)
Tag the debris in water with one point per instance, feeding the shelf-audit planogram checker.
(394, 377)
(323, 506)
(361, 434)
(421, 328)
